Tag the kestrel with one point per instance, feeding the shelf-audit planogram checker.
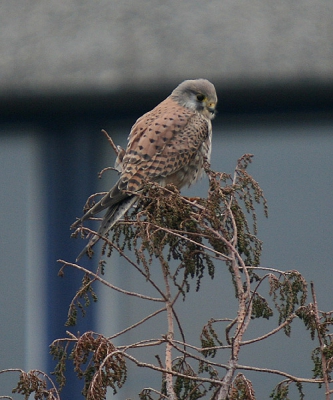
(167, 145)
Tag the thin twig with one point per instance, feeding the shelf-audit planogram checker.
(270, 333)
(122, 254)
(137, 323)
(142, 344)
(108, 284)
(165, 371)
(277, 372)
(115, 149)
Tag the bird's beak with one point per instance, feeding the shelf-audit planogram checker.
(211, 108)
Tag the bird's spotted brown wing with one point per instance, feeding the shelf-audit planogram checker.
(161, 142)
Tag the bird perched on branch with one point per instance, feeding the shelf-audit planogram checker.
(167, 145)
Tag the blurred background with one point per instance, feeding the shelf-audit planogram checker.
(71, 68)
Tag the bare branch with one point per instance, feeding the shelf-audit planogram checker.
(109, 139)
(272, 332)
(108, 284)
(143, 320)
(282, 373)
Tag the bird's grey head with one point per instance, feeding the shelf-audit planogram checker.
(197, 95)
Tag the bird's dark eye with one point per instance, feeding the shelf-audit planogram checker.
(200, 97)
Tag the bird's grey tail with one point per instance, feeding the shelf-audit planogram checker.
(113, 215)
